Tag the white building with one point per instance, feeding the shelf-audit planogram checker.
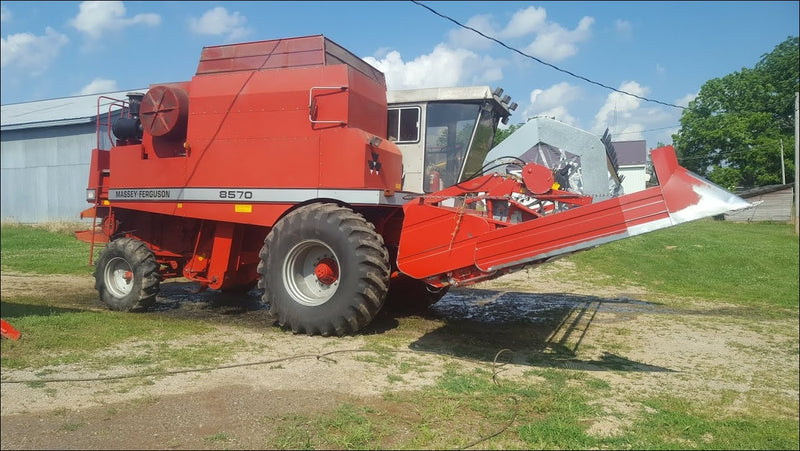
(632, 160)
(46, 151)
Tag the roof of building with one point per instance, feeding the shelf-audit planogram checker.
(62, 111)
(761, 190)
(631, 153)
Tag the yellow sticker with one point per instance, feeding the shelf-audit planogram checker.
(243, 208)
(180, 205)
(106, 202)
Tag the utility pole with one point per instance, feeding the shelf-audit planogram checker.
(783, 166)
(796, 170)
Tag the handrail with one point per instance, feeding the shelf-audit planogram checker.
(312, 105)
(122, 104)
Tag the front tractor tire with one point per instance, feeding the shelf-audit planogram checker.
(324, 270)
(126, 275)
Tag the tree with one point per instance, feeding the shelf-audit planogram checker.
(502, 134)
(731, 132)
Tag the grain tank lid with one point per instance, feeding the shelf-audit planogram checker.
(316, 50)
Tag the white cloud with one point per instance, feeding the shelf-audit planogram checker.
(381, 52)
(558, 94)
(553, 102)
(5, 13)
(629, 118)
(442, 67)
(684, 101)
(551, 41)
(98, 86)
(461, 37)
(30, 52)
(623, 28)
(559, 113)
(628, 132)
(219, 22)
(617, 112)
(96, 18)
(525, 21)
(555, 43)
(455, 62)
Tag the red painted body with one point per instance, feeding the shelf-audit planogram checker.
(463, 245)
(265, 127)
(261, 128)
(8, 331)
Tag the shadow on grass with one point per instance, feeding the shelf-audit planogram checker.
(180, 299)
(539, 330)
(535, 329)
(10, 310)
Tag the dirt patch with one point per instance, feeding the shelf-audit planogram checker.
(621, 335)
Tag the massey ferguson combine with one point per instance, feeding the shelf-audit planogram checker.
(280, 164)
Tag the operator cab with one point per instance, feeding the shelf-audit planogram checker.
(444, 133)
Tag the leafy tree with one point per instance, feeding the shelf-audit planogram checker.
(502, 134)
(731, 133)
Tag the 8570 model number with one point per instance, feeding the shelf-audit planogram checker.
(235, 194)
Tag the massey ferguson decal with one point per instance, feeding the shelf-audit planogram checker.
(121, 194)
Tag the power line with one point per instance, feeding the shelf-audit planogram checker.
(545, 63)
(648, 130)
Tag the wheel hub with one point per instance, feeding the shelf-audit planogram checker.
(118, 277)
(326, 271)
(311, 273)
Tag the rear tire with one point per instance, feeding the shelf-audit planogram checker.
(126, 275)
(324, 270)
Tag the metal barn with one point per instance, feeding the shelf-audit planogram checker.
(46, 150)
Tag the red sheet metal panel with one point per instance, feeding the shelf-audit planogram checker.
(273, 54)
(440, 244)
(568, 231)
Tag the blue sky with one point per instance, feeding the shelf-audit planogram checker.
(663, 51)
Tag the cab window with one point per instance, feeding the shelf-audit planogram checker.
(403, 126)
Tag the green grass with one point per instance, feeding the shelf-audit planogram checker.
(465, 408)
(749, 264)
(676, 423)
(43, 250)
(549, 406)
(55, 335)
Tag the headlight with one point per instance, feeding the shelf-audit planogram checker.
(91, 195)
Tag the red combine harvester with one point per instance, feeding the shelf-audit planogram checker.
(275, 166)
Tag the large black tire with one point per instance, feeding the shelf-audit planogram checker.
(324, 270)
(126, 275)
(408, 295)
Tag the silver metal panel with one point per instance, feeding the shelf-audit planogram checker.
(63, 111)
(256, 195)
(565, 137)
(436, 94)
(45, 172)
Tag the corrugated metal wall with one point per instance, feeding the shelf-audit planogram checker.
(45, 172)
